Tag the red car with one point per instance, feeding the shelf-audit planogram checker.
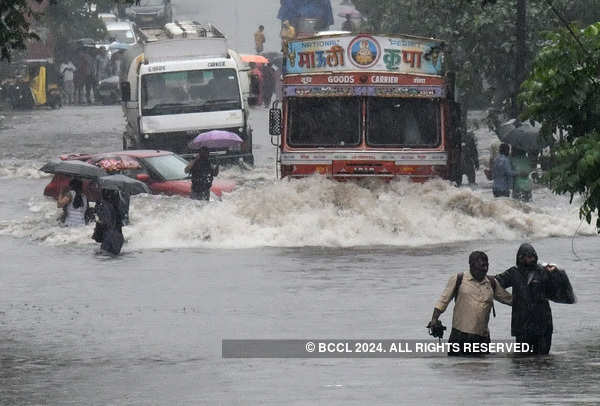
(162, 171)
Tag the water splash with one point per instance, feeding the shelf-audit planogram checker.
(320, 212)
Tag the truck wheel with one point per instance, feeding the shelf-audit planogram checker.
(249, 160)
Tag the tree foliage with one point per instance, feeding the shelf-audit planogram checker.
(15, 26)
(481, 35)
(65, 19)
(563, 93)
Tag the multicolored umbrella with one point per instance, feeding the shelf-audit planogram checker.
(117, 163)
(215, 139)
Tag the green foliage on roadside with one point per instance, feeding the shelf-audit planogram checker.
(563, 89)
(577, 171)
(563, 93)
(15, 26)
(482, 37)
(65, 19)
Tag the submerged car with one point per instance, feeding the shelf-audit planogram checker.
(162, 171)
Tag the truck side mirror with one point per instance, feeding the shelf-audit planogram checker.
(275, 121)
(125, 92)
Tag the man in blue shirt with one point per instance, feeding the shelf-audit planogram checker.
(503, 173)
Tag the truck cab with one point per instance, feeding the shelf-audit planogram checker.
(180, 87)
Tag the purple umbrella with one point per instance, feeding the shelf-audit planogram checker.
(215, 139)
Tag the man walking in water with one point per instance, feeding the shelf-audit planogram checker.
(202, 175)
(474, 293)
(532, 286)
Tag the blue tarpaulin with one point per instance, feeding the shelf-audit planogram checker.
(294, 9)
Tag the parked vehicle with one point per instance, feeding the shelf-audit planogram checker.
(150, 13)
(36, 84)
(162, 171)
(108, 18)
(185, 83)
(123, 32)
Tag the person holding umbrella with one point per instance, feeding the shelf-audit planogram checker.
(74, 203)
(202, 173)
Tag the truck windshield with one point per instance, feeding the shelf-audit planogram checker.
(403, 122)
(324, 122)
(190, 92)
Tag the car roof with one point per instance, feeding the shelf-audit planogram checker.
(119, 25)
(137, 153)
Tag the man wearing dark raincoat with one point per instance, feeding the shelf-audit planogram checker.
(108, 229)
(532, 286)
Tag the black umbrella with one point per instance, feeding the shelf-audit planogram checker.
(74, 168)
(521, 135)
(123, 184)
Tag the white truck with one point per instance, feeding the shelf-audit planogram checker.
(184, 81)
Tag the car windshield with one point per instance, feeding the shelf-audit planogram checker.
(190, 92)
(324, 122)
(168, 167)
(403, 122)
(122, 36)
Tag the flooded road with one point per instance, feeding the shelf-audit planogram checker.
(274, 259)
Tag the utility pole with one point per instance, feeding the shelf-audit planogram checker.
(520, 70)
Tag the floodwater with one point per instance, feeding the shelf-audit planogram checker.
(275, 259)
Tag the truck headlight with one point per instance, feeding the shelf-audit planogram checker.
(146, 136)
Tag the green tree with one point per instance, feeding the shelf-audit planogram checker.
(66, 19)
(15, 26)
(482, 36)
(563, 93)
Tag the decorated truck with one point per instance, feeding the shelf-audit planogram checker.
(356, 106)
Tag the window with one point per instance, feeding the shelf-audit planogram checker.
(190, 92)
(167, 167)
(403, 122)
(324, 122)
(122, 36)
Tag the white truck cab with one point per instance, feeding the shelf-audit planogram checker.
(184, 85)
